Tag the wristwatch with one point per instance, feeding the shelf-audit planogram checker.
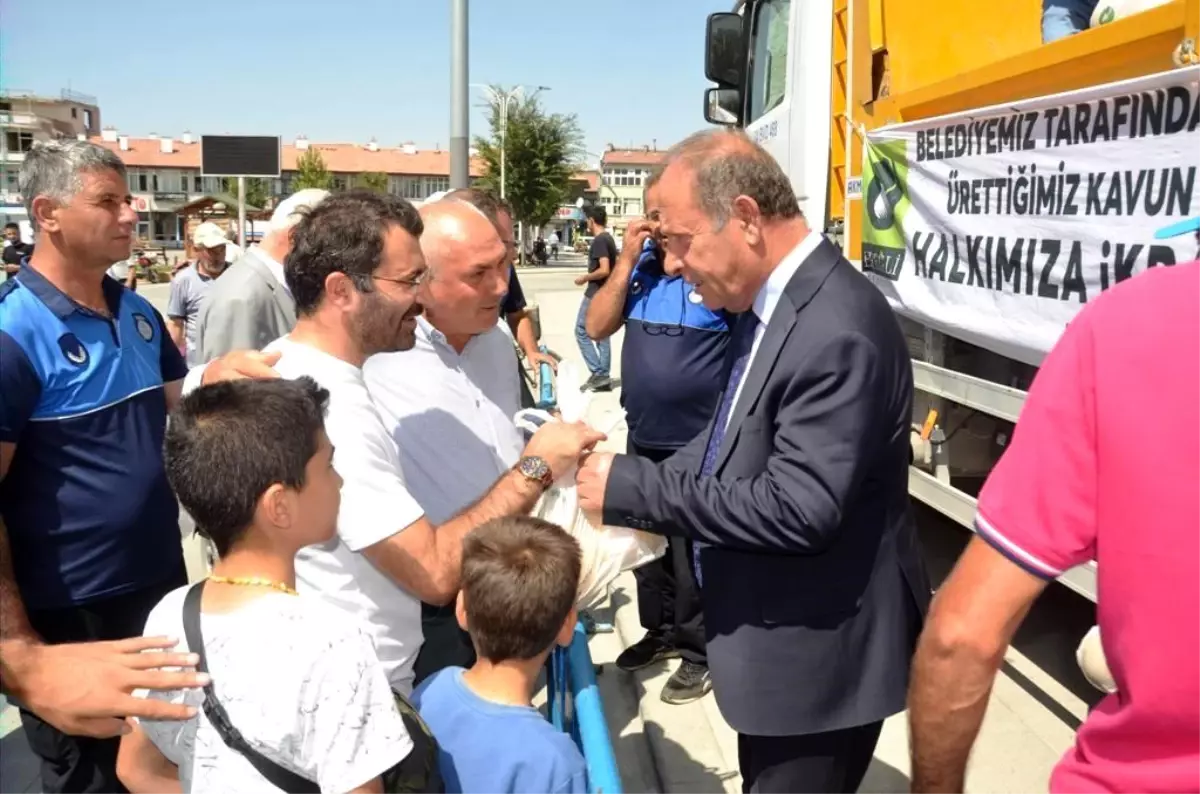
(534, 469)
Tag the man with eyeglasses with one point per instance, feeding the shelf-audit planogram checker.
(356, 270)
(671, 365)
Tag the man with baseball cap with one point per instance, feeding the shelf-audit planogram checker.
(189, 288)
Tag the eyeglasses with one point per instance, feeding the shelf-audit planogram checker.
(413, 282)
(669, 330)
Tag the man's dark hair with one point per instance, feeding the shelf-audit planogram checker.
(520, 579)
(227, 443)
(598, 214)
(485, 201)
(343, 234)
(727, 164)
(12, 226)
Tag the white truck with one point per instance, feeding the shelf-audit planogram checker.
(952, 107)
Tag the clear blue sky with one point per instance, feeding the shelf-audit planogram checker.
(632, 70)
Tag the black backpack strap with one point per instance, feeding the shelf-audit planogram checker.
(283, 779)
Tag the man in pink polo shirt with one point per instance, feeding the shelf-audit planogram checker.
(1104, 466)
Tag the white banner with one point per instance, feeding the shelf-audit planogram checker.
(997, 225)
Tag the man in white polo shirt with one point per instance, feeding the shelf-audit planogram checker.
(355, 269)
(449, 401)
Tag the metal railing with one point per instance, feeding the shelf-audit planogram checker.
(574, 707)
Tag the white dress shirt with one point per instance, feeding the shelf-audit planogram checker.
(768, 297)
(450, 415)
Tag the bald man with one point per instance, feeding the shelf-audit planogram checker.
(449, 401)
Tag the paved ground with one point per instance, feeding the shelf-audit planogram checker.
(662, 748)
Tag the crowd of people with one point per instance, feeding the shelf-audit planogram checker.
(380, 604)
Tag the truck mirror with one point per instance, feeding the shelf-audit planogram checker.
(725, 49)
(723, 106)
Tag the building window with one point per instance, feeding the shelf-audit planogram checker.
(408, 187)
(434, 184)
(197, 183)
(87, 119)
(12, 180)
(19, 141)
(340, 182)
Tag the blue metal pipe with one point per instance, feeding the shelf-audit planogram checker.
(588, 714)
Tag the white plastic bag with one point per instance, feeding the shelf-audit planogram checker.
(606, 551)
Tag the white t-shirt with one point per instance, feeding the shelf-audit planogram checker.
(375, 505)
(298, 680)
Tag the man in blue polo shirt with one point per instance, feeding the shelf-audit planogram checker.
(89, 532)
(671, 364)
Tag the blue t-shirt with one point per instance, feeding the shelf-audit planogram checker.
(491, 748)
(514, 300)
(672, 359)
(86, 501)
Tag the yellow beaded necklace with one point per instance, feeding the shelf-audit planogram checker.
(253, 581)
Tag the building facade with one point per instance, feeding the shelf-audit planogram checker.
(164, 174)
(26, 117)
(623, 176)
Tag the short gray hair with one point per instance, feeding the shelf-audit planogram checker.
(54, 168)
(727, 164)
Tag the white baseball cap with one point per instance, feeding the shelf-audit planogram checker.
(208, 235)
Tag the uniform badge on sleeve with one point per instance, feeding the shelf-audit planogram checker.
(73, 349)
(144, 327)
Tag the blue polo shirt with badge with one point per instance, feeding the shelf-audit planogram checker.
(672, 358)
(86, 502)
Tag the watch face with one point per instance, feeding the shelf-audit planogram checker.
(534, 468)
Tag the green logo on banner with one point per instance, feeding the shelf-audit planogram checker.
(885, 202)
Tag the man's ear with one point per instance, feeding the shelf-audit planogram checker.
(567, 632)
(45, 212)
(747, 216)
(339, 290)
(460, 610)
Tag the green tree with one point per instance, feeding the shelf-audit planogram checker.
(372, 180)
(311, 172)
(541, 152)
(258, 192)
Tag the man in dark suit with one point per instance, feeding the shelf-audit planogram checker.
(813, 586)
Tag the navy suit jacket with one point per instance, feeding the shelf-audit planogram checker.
(814, 588)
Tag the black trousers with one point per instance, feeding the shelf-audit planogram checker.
(75, 763)
(445, 643)
(668, 599)
(835, 761)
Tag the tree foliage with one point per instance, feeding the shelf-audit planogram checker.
(311, 172)
(372, 180)
(542, 150)
(258, 192)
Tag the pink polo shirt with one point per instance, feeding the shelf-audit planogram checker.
(1105, 466)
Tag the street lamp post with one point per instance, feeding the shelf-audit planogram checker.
(501, 100)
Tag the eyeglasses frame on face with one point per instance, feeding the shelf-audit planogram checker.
(412, 283)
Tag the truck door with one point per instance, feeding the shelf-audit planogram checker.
(788, 93)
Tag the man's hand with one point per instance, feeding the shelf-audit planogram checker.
(240, 364)
(561, 444)
(537, 358)
(581, 280)
(85, 689)
(590, 482)
(635, 237)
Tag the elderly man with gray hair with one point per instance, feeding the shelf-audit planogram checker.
(89, 529)
(250, 306)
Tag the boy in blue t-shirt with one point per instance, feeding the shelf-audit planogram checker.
(519, 582)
